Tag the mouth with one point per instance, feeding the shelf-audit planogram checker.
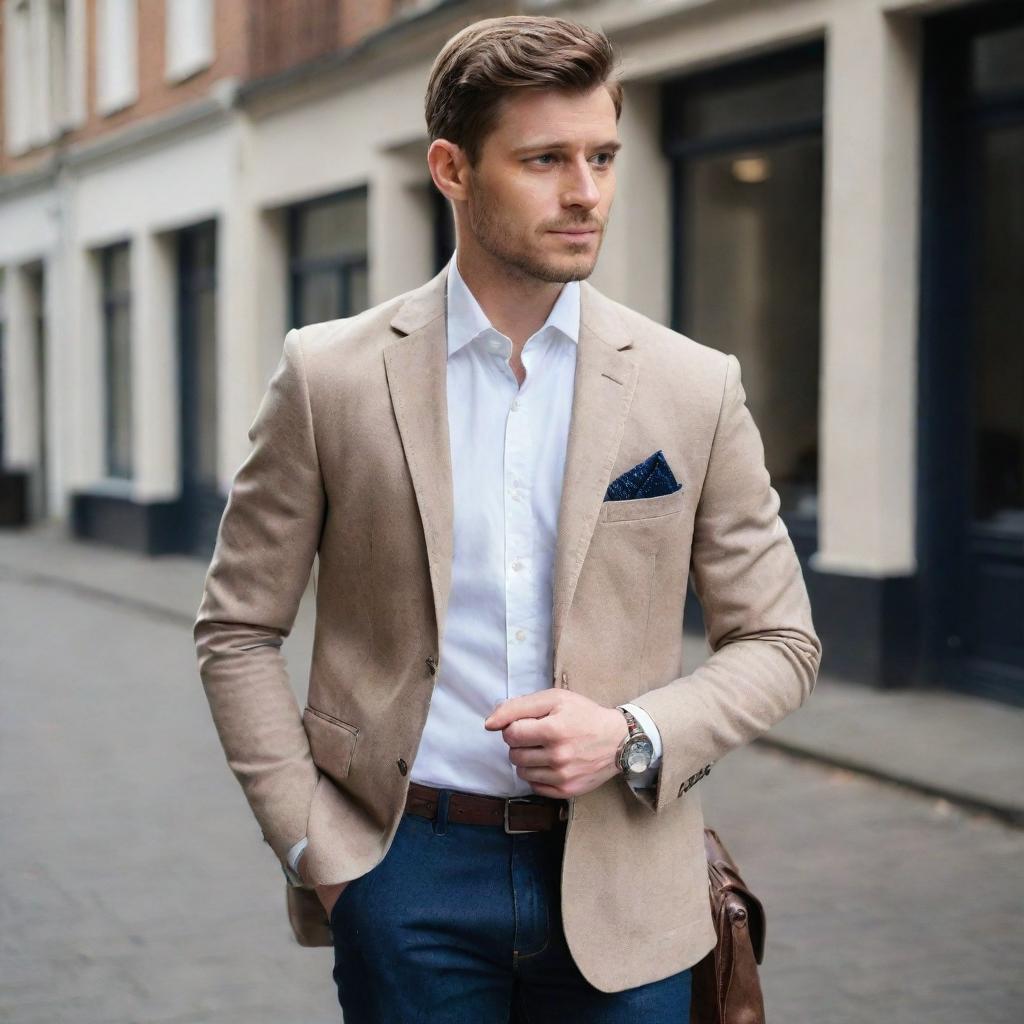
(577, 234)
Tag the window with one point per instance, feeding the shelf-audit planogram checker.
(116, 55)
(328, 257)
(17, 75)
(57, 37)
(746, 146)
(116, 315)
(41, 64)
(189, 38)
(996, 100)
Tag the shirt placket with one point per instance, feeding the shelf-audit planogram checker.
(518, 473)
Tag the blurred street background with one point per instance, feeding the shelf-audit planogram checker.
(832, 190)
(137, 888)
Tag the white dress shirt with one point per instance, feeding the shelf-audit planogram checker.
(508, 446)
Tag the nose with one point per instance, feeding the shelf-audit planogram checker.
(581, 190)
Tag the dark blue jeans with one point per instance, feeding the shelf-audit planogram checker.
(461, 924)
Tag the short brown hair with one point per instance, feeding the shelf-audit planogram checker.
(479, 64)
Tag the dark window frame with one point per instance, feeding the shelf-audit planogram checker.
(343, 266)
(111, 300)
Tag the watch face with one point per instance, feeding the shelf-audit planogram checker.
(639, 754)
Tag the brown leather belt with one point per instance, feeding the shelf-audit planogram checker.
(515, 813)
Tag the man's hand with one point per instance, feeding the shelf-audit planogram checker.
(328, 894)
(561, 742)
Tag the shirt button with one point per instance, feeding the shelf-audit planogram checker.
(520, 634)
(516, 566)
(515, 404)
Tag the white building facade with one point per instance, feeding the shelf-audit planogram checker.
(830, 189)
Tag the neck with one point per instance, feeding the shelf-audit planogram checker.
(515, 303)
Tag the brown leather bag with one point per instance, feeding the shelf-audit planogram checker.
(726, 988)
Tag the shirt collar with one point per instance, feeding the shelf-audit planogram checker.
(467, 321)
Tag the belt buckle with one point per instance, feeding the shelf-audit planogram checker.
(520, 800)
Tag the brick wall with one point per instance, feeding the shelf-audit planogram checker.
(252, 38)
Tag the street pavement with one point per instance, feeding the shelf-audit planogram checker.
(136, 886)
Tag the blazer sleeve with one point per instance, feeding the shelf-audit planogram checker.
(268, 537)
(765, 652)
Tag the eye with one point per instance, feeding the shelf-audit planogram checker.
(545, 155)
(609, 155)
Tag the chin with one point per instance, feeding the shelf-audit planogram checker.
(565, 270)
(577, 268)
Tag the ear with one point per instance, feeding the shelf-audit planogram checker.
(449, 168)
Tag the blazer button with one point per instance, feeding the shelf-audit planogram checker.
(402, 766)
(431, 664)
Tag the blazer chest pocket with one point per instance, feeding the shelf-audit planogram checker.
(642, 508)
(332, 742)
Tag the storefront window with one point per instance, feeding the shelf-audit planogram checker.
(746, 144)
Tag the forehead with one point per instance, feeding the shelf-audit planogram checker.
(551, 115)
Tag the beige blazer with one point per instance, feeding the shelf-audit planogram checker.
(350, 462)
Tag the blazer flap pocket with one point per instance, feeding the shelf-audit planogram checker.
(331, 741)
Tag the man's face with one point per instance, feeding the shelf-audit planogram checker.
(539, 197)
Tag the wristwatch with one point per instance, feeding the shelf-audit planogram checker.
(636, 751)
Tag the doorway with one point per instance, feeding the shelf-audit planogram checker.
(971, 495)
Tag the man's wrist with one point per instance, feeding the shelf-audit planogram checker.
(622, 737)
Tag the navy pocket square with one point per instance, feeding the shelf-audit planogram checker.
(647, 479)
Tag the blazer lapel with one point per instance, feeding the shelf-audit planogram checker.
(604, 383)
(416, 366)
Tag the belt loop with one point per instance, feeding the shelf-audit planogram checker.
(441, 814)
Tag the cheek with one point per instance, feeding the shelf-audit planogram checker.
(513, 201)
(532, 196)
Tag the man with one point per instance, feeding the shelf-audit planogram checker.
(507, 478)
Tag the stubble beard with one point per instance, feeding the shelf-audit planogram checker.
(497, 238)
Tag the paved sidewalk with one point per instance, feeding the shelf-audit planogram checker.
(965, 750)
(137, 889)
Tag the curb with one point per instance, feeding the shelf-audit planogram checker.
(1004, 813)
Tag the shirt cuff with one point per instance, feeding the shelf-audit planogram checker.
(295, 853)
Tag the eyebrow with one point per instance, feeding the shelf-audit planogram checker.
(614, 145)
